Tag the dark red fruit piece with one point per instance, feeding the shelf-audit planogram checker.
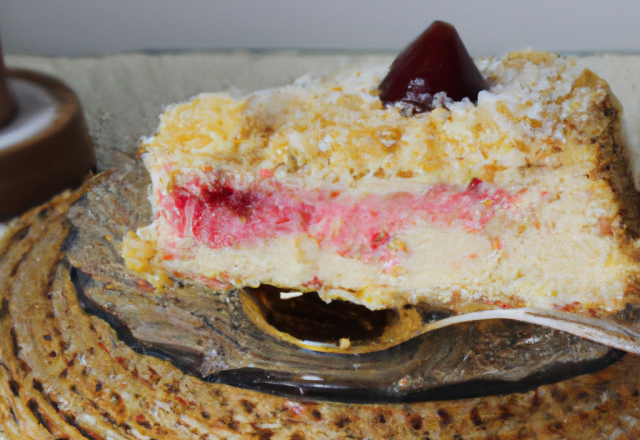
(436, 61)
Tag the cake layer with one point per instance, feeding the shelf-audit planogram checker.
(542, 245)
(524, 199)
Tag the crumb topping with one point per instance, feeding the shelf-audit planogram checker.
(335, 127)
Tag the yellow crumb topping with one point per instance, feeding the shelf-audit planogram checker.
(336, 127)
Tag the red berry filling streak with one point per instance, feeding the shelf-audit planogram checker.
(220, 214)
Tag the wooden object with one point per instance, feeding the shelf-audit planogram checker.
(44, 141)
(7, 103)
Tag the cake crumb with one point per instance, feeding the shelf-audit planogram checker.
(289, 295)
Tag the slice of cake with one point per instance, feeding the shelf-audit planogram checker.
(522, 199)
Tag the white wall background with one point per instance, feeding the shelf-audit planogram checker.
(92, 27)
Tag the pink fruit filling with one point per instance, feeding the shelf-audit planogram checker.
(222, 215)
